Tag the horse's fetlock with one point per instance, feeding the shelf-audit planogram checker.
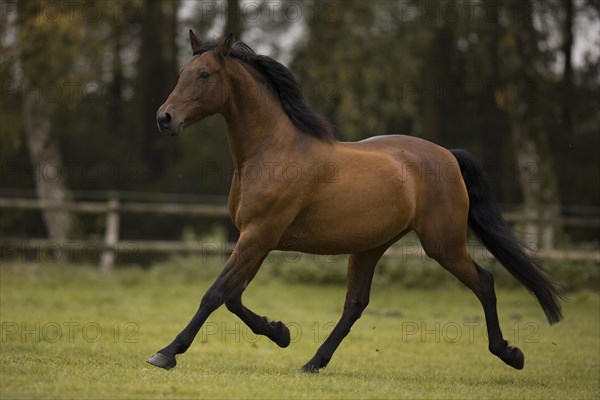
(498, 348)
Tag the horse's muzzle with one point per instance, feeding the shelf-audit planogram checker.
(166, 124)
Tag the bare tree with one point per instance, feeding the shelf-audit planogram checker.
(37, 75)
(533, 154)
(234, 22)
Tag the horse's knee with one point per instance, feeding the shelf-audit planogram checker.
(233, 304)
(498, 348)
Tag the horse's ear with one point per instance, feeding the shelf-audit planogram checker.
(224, 46)
(194, 41)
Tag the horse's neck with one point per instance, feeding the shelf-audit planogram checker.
(256, 122)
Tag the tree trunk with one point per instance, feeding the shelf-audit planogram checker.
(49, 172)
(432, 84)
(234, 19)
(538, 183)
(567, 80)
(533, 154)
(115, 102)
(495, 130)
(155, 83)
(48, 166)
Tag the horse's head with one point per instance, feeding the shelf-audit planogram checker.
(202, 89)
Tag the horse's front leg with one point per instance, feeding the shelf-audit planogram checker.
(241, 267)
(274, 330)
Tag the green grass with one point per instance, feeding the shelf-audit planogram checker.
(68, 332)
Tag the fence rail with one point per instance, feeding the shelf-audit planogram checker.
(113, 208)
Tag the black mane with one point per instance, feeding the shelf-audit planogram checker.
(281, 79)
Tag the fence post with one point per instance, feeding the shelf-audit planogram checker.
(111, 235)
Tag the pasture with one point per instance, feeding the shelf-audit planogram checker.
(68, 332)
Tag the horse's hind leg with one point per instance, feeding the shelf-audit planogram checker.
(453, 256)
(361, 267)
(512, 356)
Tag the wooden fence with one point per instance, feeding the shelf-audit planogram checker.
(113, 207)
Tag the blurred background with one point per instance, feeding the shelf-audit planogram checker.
(84, 171)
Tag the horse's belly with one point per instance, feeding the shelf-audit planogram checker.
(346, 228)
(332, 244)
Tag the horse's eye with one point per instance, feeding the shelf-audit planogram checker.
(204, 75)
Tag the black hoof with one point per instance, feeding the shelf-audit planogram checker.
(315, 364)
(512, 356)
(284, 335)
(517, 358)
(162, 361)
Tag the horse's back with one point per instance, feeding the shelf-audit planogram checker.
(405, 148)
(421, 162)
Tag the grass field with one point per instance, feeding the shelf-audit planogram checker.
(68, 332)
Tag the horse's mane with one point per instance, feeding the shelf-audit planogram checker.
(281, 79)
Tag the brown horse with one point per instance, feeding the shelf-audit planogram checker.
(296, 188)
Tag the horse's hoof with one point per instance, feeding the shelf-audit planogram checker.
(518, 358)
(284, 336)
(162, 361)
(309, 369)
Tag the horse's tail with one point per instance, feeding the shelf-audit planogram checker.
(486, 221)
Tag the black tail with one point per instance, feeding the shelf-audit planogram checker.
(487, 223)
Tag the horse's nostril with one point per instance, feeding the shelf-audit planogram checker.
(164, 119)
